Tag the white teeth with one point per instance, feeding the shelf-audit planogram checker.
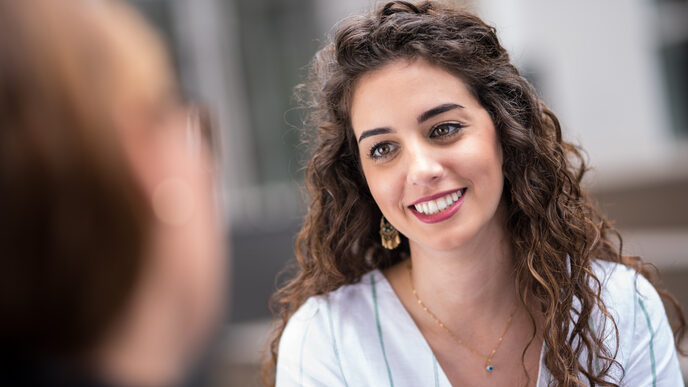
(433, 206)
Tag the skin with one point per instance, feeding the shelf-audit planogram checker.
(176, 304)
(462, 263)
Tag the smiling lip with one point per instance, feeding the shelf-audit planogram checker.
(441, 215)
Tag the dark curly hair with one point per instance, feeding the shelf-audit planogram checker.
(555, 227)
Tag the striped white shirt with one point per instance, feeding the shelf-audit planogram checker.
(361, 335)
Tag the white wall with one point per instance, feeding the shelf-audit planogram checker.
(599, 71)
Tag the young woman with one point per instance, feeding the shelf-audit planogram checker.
(111, 248)
(448, 240)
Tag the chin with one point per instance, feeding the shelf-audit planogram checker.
(447, 242)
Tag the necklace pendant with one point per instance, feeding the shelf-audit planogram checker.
(489, 368)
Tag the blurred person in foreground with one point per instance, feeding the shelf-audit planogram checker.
(110, 244)
(448, 240)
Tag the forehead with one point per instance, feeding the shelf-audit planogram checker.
(403, 89)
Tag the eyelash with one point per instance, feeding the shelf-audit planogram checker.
(377, 147)
(454, 128)
(452, 132)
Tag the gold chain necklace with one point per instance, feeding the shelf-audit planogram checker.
(488, 359)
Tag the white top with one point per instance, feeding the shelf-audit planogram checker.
(361, 335)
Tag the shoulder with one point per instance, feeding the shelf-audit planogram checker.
(646, 348)
(626, 295)
(316, 333)
(623, 287)
(316, 312)
(332, 307)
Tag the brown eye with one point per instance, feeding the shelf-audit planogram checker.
(381, 150)
(446, 129)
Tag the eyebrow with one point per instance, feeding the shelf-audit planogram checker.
(437, 111)
(374, 132)
(421, 118)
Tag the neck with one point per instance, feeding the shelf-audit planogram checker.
(477, 278)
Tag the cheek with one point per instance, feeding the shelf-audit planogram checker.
(383, 183)
(493, 176)
(481, 163)
(488, 168)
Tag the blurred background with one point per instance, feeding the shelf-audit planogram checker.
(615, 72)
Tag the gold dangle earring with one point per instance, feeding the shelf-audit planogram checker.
(389, 234)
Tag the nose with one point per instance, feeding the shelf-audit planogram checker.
(424, 166)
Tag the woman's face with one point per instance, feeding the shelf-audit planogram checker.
(429, 153)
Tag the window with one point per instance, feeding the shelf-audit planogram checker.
(673, 56)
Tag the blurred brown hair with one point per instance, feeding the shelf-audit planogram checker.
(73, 218)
